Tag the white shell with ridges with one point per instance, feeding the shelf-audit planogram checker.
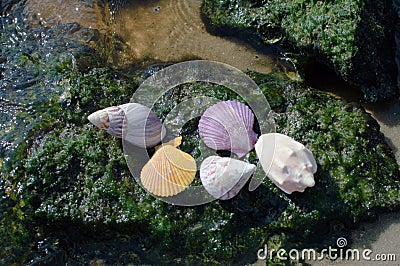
(228, 125)
(133, 122)
(293, 165)
(224, 177)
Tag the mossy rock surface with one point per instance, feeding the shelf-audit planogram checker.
(347, 35)
(75, 179)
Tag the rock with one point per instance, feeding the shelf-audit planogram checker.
(33, 65)
(67, 196)
(353, 37)
(74, 172)
(6, 5)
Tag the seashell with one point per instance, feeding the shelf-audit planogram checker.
(133, 122)
(224, 177)
(228, 125)
(293, 165)
(169, 171)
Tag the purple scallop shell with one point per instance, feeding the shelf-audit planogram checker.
(228, 125)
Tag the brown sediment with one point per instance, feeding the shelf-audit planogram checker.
(173, 30)
(48, 13)
(388, 116)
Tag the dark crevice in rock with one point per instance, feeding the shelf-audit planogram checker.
(375, 70)
(319, 76)
(354, 38)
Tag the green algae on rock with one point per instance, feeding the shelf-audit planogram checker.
(34, 64)
(68, 197)
(347, 35)
(69, 177)
(77, 173)
(31, 63)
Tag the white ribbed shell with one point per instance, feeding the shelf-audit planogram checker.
(224, 177)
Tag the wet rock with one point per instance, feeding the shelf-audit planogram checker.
(67, 195)
(354, 38)
(6, 5)
(75, 178)
(33, 65)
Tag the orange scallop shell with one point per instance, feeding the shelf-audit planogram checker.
(169, 171)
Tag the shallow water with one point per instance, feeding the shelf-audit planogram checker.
(48, 13)
(173, 30)
(388, 117)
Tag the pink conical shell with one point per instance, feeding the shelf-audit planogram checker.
(133, 122)
(228, 125)
(293, 165)
(224, 177)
